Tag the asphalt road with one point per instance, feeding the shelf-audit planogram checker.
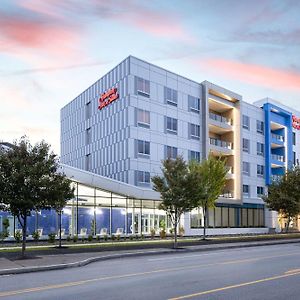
(269, 272)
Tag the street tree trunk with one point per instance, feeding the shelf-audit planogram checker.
(59, 238)
(175, 230)
(288, 224)
(24, 225)
(204, 220)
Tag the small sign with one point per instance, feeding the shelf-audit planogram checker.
(108, 97)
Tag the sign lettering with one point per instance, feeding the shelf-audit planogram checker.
(108, 97)
(296, 122)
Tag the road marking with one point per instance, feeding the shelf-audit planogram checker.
(234, 286)
(292, 271)
(81, 282)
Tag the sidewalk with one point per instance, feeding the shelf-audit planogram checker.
(43, 262)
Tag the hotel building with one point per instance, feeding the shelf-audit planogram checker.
(116, 133)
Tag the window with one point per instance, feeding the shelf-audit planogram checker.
(294, 138)
(246, 168)
(88, 110)
(171, 96)
(246, 122)
(246, 145)
(194, 104)
(294, 158)
(260, 191)
(260, 149)
(171, 152)
(246, 190)
(143, 118)
(88, 162)
(143, 148)
(88, 136)
(143, 178)
(171, 125)
(260, 170)
(196, 217)
(194, 155)
(142, 87)
(260, 126)
(194, 131)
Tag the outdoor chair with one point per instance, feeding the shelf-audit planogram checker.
(103, 232)
(83, 233)
(120, 231)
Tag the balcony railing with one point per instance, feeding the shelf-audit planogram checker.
(230, 170)
(219, 143)
(277, 137)
(219, 118)
(277, 157)
(276, 178)
(227, 194)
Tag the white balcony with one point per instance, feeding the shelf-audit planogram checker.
(220, 143)
(220, 118)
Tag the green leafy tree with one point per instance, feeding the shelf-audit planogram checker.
(284, 195)
(210, 180)
(176, 189)
(30, 181)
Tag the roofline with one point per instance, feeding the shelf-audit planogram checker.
(109, 184)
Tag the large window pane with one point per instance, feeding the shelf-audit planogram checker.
(225, 222)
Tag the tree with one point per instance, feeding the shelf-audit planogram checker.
(30, 181)
(176, 190)
(210, 182)
(284, 195)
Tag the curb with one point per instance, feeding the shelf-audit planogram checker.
(136, 253)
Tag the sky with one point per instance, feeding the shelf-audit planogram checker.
(52, 50)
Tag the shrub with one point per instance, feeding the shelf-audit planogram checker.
(118, 237)
(18, 236)
(35, 236)
(181, 230)
(113, 237)
(51, 238)
(131, 237)
(68, 238)
(142, 236)
(98, 238)
(75, 238)
(162, 234)
(152, 232)
(137, 237)
(90, 238)
(105, 237)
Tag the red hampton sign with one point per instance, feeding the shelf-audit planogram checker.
(108, 97)
(296, 122)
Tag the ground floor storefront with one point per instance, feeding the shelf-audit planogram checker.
(99, 212)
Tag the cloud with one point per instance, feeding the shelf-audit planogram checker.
(254, 74)
(151, 20)
(50, 69)
(17, 31)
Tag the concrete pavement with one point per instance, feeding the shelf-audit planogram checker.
(37, 261)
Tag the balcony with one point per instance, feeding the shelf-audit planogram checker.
(277, 137)
(220, 118)
(277, 157)
(227, 194)
(219, 124)
(220, 143)
(276, 178)
(230, 173)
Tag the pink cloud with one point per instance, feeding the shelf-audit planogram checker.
(20, 32)
(255, 74)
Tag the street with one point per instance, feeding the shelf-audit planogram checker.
(268, 272)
